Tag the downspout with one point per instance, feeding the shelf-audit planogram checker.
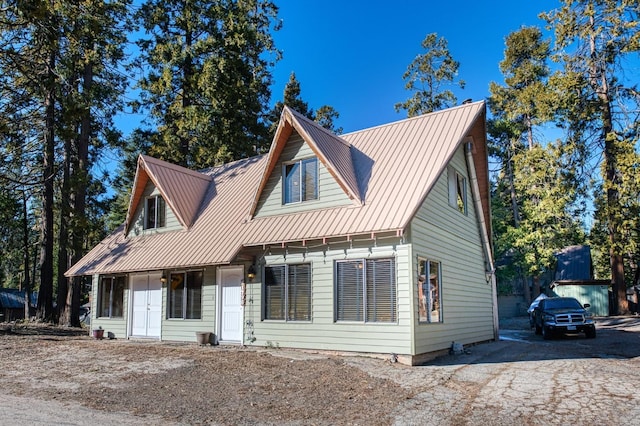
(484, 236)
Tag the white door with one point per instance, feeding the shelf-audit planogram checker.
(230, 304)
(146, 302)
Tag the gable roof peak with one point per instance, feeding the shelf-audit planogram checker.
(182, 189)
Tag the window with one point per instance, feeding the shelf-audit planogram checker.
(457, 191)
(429, 291)
(366, 290)
(111, 296)
(155, 212)
(300, 181)
(185, 295)
(287, 292)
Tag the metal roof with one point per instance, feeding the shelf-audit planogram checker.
(12, 298)
(574, 263)
(393, 168)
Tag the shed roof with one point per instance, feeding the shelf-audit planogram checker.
(574, 263)
(390, 172)
(12, 298)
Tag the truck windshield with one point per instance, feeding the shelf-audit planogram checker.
(562, 304)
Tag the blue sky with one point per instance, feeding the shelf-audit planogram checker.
(352, 54)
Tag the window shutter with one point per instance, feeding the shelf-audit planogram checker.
(349, 293)
(274, 292)
(299, 293)
(381, 291)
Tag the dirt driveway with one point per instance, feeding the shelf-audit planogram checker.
(49, 378)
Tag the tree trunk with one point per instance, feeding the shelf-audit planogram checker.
(598, 79)
(45, 295)
(80, 181)
(63, 237)
(26, 284)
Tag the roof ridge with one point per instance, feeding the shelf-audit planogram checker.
(314, 123)
(417, 117)
(175, 167)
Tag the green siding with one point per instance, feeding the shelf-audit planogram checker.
(595, 295)
(137, 227)
(184, 330)
(330, 194)
(322, 332)
(440, 232)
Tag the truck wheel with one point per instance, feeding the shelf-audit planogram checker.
(546, 333)
(590, 333)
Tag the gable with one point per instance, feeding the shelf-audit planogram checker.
(333, 152)
(137, 221)
(330, 194)
(182, 189)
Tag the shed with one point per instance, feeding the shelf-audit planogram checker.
(12, 303)
(593, 292)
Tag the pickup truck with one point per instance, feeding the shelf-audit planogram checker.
(557, 315)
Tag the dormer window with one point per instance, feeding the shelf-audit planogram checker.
(300, 181)
(155, 213)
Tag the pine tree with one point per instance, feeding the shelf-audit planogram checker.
(207, 88)
(292, 97)
(593, 38)
(536, 183)
(427, 75)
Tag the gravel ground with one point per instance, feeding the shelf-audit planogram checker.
(58, 376)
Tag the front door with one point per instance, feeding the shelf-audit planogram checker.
(230, 304)
(146, 302)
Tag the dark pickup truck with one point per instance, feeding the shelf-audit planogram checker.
(557, 315)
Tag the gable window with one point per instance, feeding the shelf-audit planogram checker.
(429, 291)
(366, 290)
(155, 212)
(184, 295)
(300, 181)
(111, 296)
(457, 190)
(287, 292)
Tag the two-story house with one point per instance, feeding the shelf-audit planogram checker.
(376, 241)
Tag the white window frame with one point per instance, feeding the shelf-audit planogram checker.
(301, 196)
(431, 296)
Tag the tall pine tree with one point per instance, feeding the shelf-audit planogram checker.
(209, 72)
(593, 39)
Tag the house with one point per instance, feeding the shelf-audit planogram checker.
(377, 242)
(12, 304)
(574, 278)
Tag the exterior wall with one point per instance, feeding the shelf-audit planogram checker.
(329, 192)
(323, 332)
(184, 330)
(441, 233)
(117, 326)
(595, 295)
(137, 228)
